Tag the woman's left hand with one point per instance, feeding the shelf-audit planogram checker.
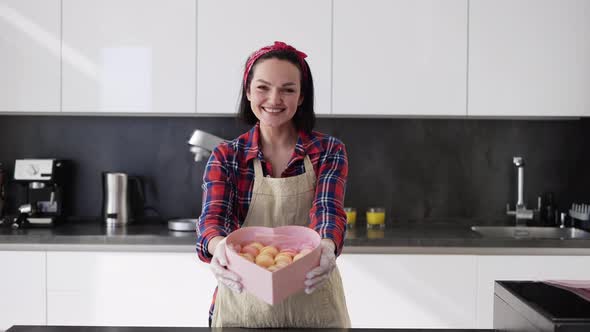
(316, 277)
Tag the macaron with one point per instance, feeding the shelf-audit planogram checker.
(264, 260)
(251, 250)
(273, 251)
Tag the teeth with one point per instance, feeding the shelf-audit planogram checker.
(273, 110)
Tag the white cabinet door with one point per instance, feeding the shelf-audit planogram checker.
(403, 57)
(529, 58)
(22, 288)
(129, 56)
(30, 55)
(409, 291)
(128, 289)
(230, 30)
(492, 268)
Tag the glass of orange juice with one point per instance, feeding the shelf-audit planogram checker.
(375, 217)
(350, 216)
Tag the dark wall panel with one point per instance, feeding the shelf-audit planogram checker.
(417, 168)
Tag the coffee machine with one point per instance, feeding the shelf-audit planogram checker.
(42, 182)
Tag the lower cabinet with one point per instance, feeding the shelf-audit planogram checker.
(440, 291)
(175, 289)
(128, 289)
(22, 288)
(410, 291)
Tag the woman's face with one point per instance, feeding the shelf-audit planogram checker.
(275, 92)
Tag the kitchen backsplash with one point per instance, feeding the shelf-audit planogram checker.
(419, 169)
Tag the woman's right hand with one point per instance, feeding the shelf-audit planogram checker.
(219, 267)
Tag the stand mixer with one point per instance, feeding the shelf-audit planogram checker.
(201, 145)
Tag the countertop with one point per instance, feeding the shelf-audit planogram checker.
(442, 237)
(551, 302)
(197, 329)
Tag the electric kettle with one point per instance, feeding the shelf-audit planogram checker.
(122, 195)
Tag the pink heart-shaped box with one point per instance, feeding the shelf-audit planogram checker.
(274, 287)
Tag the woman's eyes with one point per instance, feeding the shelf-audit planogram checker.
(266, 88)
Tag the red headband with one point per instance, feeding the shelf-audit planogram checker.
(276, 47)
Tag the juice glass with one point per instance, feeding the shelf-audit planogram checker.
(375, 217)
(350, 216)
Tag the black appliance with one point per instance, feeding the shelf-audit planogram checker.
(536, 306)
(42, 183)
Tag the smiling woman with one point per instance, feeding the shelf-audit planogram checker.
(275, 96)
(281, 172)
(288, 66)
(275, 93)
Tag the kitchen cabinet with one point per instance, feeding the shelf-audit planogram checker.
(22, 288)
(529, 58)
(113, 288)
(490, 58)
(402, 57)
(128, 56)
(410, 291)
(30, 43)
(491, 268)
(230, 30)
(128, 288)
(123, 288)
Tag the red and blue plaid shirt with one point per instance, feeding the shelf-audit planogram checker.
(229, 178)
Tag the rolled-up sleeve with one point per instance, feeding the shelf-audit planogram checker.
(327, 214)
(217, 217)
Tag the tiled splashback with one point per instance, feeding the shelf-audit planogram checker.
(417, 168)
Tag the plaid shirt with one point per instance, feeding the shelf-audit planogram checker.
(229, 178)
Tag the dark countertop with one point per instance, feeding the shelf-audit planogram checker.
(539, 306)
(197, 329)
(552, 302)
(444, 237)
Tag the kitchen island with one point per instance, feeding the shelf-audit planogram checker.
(202, 329)
(410, 275)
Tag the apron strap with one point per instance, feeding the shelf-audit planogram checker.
(309, 172)
(258, 169)
(308, 165)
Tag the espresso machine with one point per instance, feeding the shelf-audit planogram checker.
(42, 182)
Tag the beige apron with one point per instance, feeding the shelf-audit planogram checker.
(278, 202)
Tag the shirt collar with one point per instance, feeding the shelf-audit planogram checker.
(307, 144)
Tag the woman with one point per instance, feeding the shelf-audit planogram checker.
(278, 173)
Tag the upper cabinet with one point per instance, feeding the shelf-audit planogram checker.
(403, 57)
(230, 30)
(30, 55)
(129, 56)
(529, 58)
(380, 58)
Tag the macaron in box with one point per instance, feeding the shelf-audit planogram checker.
(301, 243)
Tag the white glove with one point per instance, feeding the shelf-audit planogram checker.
(219, 267)
(316, 277)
